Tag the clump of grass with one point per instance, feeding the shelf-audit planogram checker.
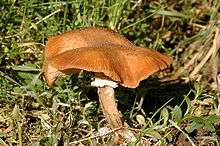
(69, 113)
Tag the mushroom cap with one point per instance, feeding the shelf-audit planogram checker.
(127, 65)
(84, 37)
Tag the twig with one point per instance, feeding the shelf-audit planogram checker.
(186, 135)
(162, 22)
(187, 65)
(210, 52)
(136, 4)
(198, 25)
(97, 136)
(197, 56)
(138, 108)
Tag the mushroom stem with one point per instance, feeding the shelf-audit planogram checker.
(109, 106)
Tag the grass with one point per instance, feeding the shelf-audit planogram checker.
(180, 106)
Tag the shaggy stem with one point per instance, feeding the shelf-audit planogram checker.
(109, 106)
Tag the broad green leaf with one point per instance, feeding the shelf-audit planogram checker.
(213, 119)
(199, 120)
(177, 114)
(193, 126)
(152, 133)
(189, 104)
(209, 126)
(164, 115)
(140, 119)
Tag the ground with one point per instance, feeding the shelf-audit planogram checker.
(179, 106)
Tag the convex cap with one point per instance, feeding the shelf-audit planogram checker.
(103, 51)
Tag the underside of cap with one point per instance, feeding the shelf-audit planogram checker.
(127, 66)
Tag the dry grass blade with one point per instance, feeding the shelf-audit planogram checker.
(96, 136)
(208, 55)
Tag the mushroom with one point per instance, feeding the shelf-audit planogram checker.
(84, 37)
(112, 58)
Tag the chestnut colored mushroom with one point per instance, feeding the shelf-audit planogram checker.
(84, 37)
(112, 58)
